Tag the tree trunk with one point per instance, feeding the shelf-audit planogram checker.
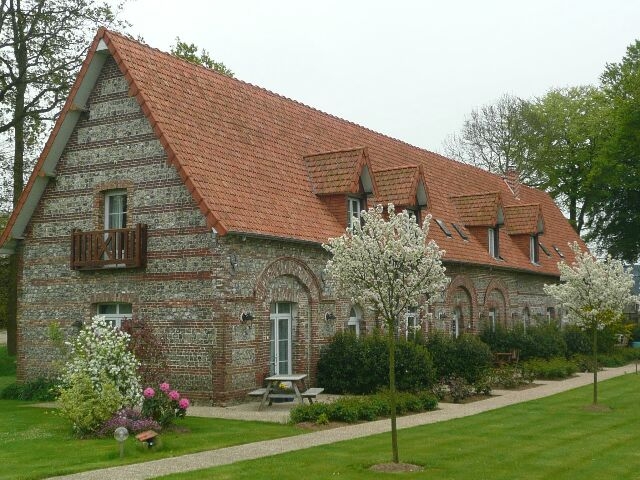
(18, 186)
(392, 390)
(595, 366)
(12, 306)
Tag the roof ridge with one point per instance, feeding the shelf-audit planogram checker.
(278, 95)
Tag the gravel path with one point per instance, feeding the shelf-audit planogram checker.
(225, 456)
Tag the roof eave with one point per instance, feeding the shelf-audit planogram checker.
(54, 147)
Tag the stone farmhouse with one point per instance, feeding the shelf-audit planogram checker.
(199, 203)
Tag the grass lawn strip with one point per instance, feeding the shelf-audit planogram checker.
(36, 443)
(555, 437)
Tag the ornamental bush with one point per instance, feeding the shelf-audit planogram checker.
(164, 405)
(38, 390)
(550, 369)
(130, 418)
(86, 406)
(101, 352)
(466, 356)
(351, 409)
(350, 365)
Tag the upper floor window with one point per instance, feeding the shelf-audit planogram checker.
(534, 251)
(115, 209)
(414, 213)
(494, 242)
(114, 313)
(354, 208)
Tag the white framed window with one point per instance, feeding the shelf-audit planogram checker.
(354, 209)
(493, 319)
(353, 325)
(534, 251)
(494, 242)
(115, 209)
(412, 322)
(115, 312)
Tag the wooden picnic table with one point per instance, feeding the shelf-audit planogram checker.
(273, 390)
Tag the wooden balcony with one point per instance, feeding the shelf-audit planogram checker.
(115, 248)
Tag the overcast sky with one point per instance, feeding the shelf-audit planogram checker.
(409, 69)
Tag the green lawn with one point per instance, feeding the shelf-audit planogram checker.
(550, 438)
(36, 443)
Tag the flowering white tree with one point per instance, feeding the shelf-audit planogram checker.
(595, 294)
(389, 266)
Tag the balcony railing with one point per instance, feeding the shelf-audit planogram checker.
(118, 247)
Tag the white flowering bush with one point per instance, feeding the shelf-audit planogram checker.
(100, 351)
(594, 294)
(387, 264)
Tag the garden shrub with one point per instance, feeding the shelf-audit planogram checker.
(130, 418)
(148, 350)
(350, 365)
(550, 369)
(351, 409)
(38, 390)
(100, 351)
(577, 341)
(509, 376)
(7, 363)
(459, 388)
(164, 405)
(543, 341)
(537, 341)
(467, 356)
(87, 407)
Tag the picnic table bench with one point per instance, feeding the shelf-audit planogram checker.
(272, 390)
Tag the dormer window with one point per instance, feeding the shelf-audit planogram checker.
(354, 208)
(414, 213)
(494, 242)
(534, 251)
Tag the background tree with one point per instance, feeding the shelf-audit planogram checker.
(564, 131)
(492, 138)
(189, 52)
(42, 45)
(595, 294)
(389, 266)
(616, 222)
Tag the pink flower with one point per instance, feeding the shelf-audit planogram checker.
(174, 395)
(149, 392)
(164, 387)
(184, 403)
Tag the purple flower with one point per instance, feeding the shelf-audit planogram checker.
(149, 392)
(165, 387)
(174, 395)
(184, 403)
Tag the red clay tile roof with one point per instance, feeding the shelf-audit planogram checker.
(235, 144)
(336, 172)
(398, 185)
(478, 209)
(523, 219)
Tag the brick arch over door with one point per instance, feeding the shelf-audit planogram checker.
(497, 285)
(292, 281)
(287, 266)
(464, 283)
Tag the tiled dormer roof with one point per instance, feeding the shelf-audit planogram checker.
(402, 186)
(338, 172)
(524, 219)
(478, 209)
(243, 154)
